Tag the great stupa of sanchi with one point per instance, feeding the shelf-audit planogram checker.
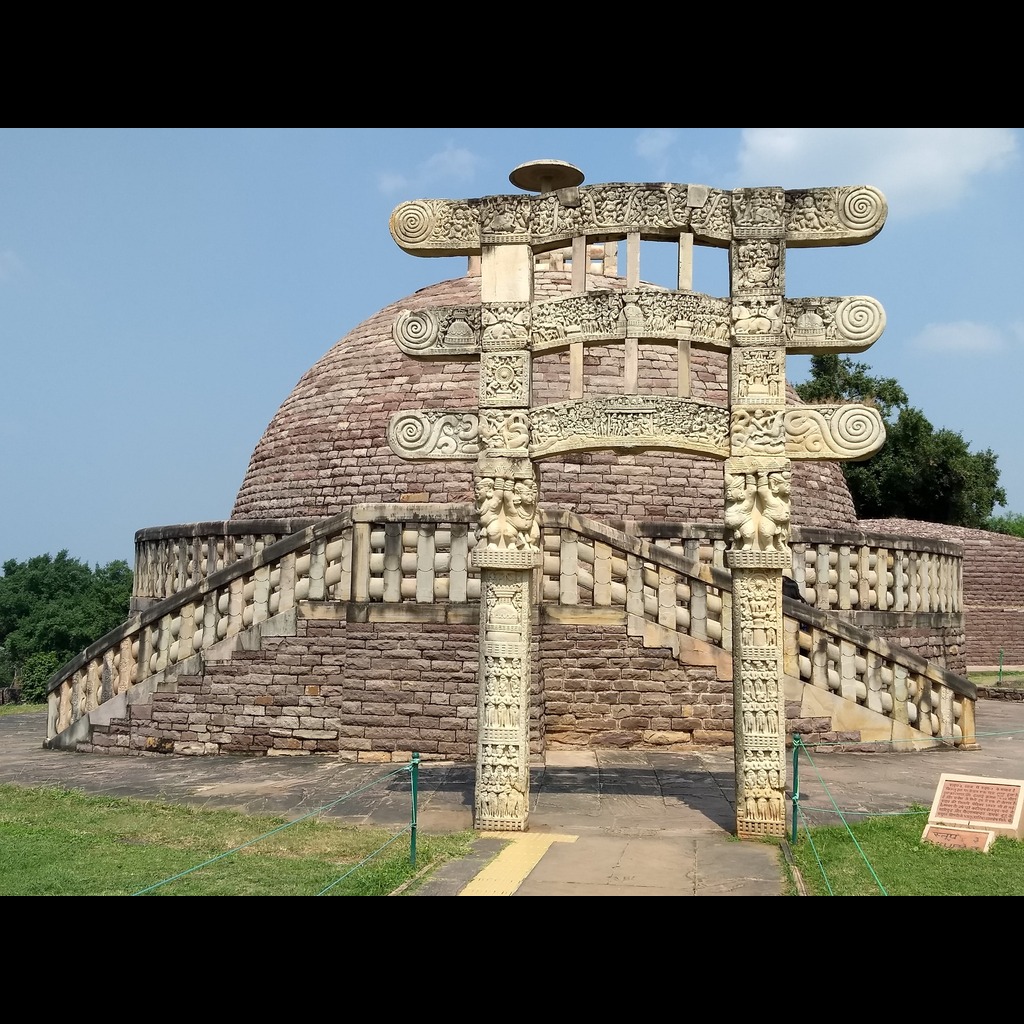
(547, 504)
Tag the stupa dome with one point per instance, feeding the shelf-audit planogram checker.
(326, 448)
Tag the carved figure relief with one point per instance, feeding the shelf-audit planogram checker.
(599, 316)
(759, 609)
(505, 325)
(757, 210)
(553, 218)
(805, 214)
(506, 218)
(505, 432)
(756, 266)
(507, 511)
(500, 797)
(713, 218)
(633, 422)
(758, 376)
(502, 693)
(758, 430)
(757, 316)
(740, 495)
(504, 378)
(594, 315)
(773, 491)
(760, 681)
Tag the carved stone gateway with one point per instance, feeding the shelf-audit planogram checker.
(757, 436)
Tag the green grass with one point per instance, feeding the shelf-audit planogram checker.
(904, 866)
(60, 842)
(20, 709)
(1011, 680)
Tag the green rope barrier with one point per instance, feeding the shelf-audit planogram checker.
(365, 860)
(274, 831)
(846, 824)
(867, 814)
(817, 857)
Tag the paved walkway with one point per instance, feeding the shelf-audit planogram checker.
(602, 823)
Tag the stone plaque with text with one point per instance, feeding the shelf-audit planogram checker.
(976, 802)
(959, 838)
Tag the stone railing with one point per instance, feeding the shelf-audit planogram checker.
(839, 657)
(400, 552)
(836, 570)
(169, 559)
(419, 554)
(844, 570)
(587, 563)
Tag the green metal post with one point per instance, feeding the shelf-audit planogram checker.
(796, 782)
(1000, 666)
(415, 796)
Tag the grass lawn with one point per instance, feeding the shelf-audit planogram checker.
(59, 842)
(1009, 680)
(889, 859)
(20, 709)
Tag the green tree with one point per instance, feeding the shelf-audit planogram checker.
(920, 472)
(53, 608)
(1012, 524)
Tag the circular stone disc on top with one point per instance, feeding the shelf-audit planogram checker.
(545, 176)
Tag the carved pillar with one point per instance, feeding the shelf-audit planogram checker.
(508, 533)
(757, 507)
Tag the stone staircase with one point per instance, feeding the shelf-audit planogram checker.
(382, 566)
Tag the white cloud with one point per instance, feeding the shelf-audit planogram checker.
(392, 184)
(9, 264)
(655, 145)
(960, 336)
(452, 163)
(441, 171)
(918, 169)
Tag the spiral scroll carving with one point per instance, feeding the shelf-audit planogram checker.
(416, 330)
(412, 223)
(861, 207)
(837, 432)
(856, 429)
(860, 319)
(434, 434)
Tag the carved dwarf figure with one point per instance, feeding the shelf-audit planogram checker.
(773, 528)
(740, 494)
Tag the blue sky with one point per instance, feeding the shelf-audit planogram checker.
(162, 290)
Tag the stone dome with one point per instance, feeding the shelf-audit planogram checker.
(326, 447)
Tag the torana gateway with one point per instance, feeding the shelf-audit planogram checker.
(548, 505)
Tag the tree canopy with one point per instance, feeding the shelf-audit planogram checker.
(53, 608)
(921, 472)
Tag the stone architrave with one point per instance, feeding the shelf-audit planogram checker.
(757, 435)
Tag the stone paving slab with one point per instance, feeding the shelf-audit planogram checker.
(625, 823)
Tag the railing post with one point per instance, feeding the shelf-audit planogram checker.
(415, 775)
(796, 783)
